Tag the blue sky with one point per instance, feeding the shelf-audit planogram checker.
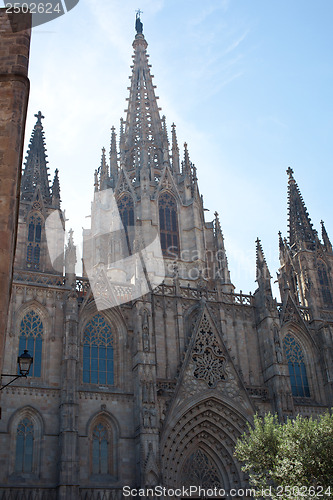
(247, 82)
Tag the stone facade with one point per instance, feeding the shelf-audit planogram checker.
(156, 389)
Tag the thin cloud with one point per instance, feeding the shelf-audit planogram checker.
(234, 45)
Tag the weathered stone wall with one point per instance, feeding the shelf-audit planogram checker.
(14, 92)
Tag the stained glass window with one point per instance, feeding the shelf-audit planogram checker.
(31, 331)
(297, 370)
(98, 351)
(168, 225)
(324, 284)
(24, 446)
(34, 239)
(126, 211)
(100, 450)
(199, 470)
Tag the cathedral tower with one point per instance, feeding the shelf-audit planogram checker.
(305, 277)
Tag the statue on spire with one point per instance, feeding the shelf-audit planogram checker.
(138, 23)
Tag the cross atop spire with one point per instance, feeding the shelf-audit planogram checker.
(39, 117)
(138, 23)
(35, 169)
(290, 173)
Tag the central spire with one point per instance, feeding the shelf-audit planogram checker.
(143, 144)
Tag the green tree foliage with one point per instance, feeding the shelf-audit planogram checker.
(293, 460)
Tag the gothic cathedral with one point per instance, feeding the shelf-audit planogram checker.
(146, 375)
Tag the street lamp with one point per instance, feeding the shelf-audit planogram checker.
(24, 361)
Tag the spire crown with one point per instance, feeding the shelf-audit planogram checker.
(56, 189)
(104, 171)
(325, 237)
(142, 146)
(301, 232)
(138, 22)
(35, 168)
(263, 274)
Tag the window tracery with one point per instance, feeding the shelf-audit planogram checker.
(31, 332)
(34, 241)
(296, 365)
(101, 445)
(98, 352)
(24, 446)
(199, 470)
(168, 225)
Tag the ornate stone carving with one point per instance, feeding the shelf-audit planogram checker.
(277, 344)
(145, 331)
(149, 417)
(210, 425)
(199, 470)
(209, 367)
(208, 356)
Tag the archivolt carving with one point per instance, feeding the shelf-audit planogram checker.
(210, 425)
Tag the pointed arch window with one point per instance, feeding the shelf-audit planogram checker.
(199, 470)
(324, 284)
(296, 365)
(98, 352)
(24, 446)
(101, 449)
(34, 241)
(169, 234)
(126, 211)
(31, 338)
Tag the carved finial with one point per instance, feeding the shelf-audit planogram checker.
(70, 259)
(217, 226)
(263, 274)
(138, 23)
(325, 237)
(70, 237)
(113, 154)
(56, 189)
(195, 178)
(96, 180)
(175, 150)
(186, 163)
(121, 137)
(104, 172)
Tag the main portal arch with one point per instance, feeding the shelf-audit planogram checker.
(198, 446)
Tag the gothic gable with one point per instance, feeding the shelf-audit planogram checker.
(124, 184)
(167, 183)
(207, 367)
(291, 313)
